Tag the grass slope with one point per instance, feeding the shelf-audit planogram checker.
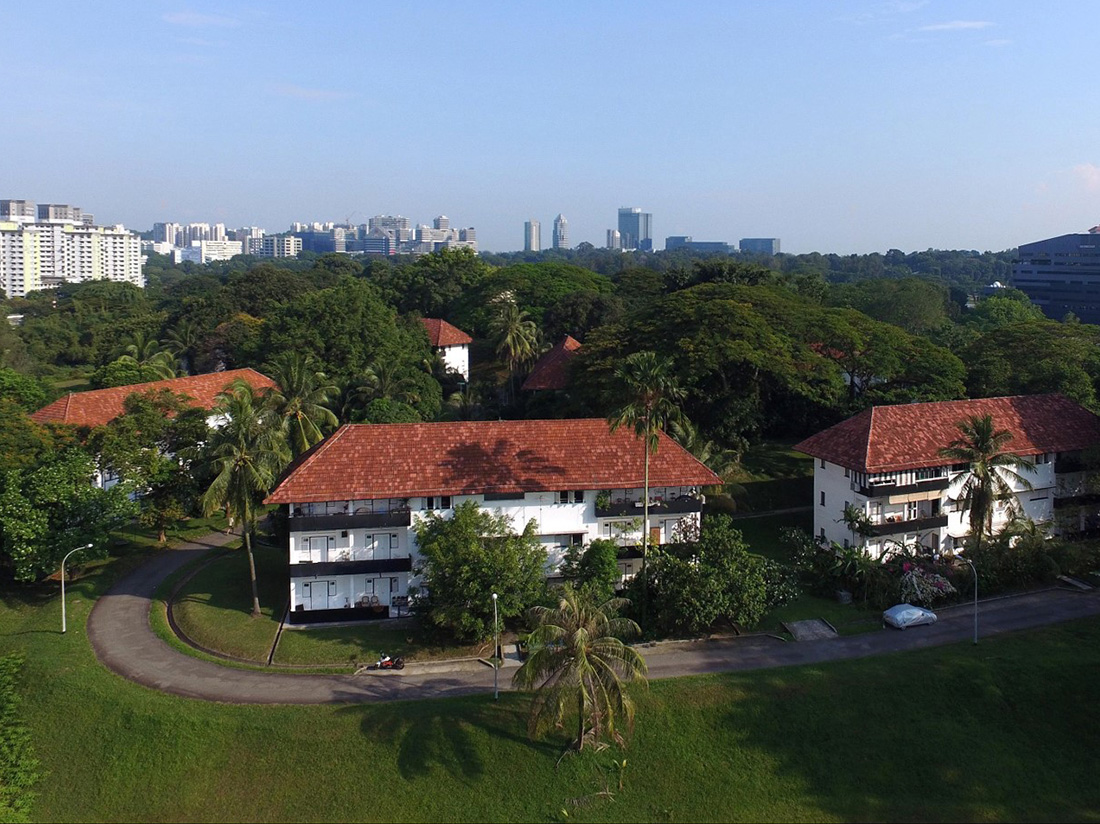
(1006, 731)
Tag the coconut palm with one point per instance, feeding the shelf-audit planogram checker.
(183, 342)
(148, 352)
(515, 334)
(301, 398)
(991, 471)
(578, 662)
(650, 395)
(249, 451)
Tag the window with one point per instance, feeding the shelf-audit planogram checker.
(578, 496)
(846, 543)
(438, 502)
(823, 533)
(911, 511)
(393, 540)
(823, 498)
(563, 497)
(847, 472)
(822, 463)
(929, 472)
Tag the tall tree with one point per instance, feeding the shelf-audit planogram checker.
(301, 399)
(515, 335)
(651, 396)
(248, 452)
(470, 556)
(991, 471)
(578, 662)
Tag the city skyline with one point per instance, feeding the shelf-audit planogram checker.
(850, 127)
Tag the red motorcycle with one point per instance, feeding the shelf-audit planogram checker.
(385, 663)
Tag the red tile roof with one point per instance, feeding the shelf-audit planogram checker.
(551, 371)
(99, 406)
(909, 436)
(361, 461)
(441, 333)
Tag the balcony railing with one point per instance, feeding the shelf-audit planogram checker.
(320, 569)
(371, 520)
(914, 525)
(880, 490)
(676, 506)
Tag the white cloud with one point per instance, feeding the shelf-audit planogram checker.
(958, 25)
(196, 20)
(1089, 175)
(302, 93)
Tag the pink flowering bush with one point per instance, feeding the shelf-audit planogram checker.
(922, 586)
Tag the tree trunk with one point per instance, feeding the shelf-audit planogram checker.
(580, 720)
(645, 534)
(251, 571)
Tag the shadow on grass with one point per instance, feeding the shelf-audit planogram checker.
(448, 736)
(959, 734)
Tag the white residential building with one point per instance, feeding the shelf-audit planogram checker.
(355, 501)
(452, 343)
(44, 255)
(280, 246)
(884, 465)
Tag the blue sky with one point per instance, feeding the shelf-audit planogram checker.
(837, 127)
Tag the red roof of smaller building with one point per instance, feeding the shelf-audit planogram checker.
(909, 436)
(361, 461)
(441, 333)
(99, 406)
(551, 371)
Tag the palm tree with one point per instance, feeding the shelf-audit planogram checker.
(990, 473)
(301, 399)
(578, 660)
(515, 334)
(249, 452)
(148, 353)
(651, 394)
(183, 341)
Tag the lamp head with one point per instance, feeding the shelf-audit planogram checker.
(494, 596)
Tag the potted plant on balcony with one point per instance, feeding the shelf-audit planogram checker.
(603, 500)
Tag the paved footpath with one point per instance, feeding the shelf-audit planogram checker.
(119, 631)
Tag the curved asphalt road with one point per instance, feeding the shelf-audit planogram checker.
(119, 630)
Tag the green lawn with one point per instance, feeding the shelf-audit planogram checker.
(213, 609)
(772, 476)
(1005, 731)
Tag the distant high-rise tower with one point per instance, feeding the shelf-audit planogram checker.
(443, 223)
(561, 232)
(636, 228)
(614, 239)
(531, 240)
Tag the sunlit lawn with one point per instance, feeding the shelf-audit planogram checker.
(1005, 731)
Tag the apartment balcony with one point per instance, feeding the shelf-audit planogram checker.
(321, 569)
(881, 490)
(370, 520)
(631, 509)
(892, 525)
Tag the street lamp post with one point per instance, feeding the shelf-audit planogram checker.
(975, 571)
(63, 560)
(496, 650)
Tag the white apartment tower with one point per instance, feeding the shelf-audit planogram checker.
(531, 240)
(64, 249)
(561, 232)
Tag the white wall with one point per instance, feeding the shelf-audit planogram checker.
(457, 359)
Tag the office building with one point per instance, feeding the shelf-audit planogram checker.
(685, 242)
(1062, 274)
(614, 239)
(17, 211)
(760, 245)
(561, 232)
(531, 240)
(636, 229)
(204, 251)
